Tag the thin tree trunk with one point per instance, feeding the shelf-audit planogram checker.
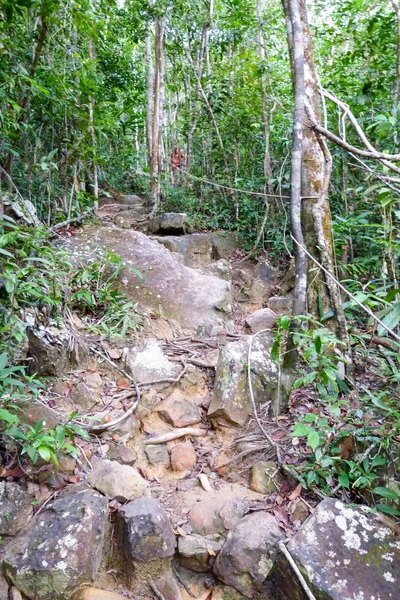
(396, 93)
(150, 94)
(296, 44)
(155, 170)
(261, 46)
(25, 100)
(92, 131)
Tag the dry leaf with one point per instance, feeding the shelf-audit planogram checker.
(210, 551)
(114, 353)
(180, 531)
(296, 492)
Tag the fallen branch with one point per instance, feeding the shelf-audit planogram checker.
(78, 219)
(174, 435)
(155, 590)
(296, 571)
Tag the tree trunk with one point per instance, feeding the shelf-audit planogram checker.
(310, 210)
(92, 131)
(396, 6)
(262, 53)
(25, 100)
(150, 94)
(155, 169)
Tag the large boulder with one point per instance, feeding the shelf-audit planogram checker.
(50, 353)
(178, 410)
(200, 249)
(15, 508)
(168, 223)
(231, 401)
(146, 531)
(263, 318)
(342, 552)
(61, 550)
(249, 553)
(116, 481)
(185, 294)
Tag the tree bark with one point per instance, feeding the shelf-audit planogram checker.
(25, 100)
(150, 94)
(310, 210)
(396, 93)
(262, 53)
(155, 168)
(92, 131)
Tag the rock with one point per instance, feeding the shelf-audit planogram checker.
(249, 553)
(146, 530)
(265, 271)
(127, 429)
(132, 200)
(281, 305)
(169, 287)
(116, 481)
(3, 588)
(15, 594)
(15, 508)
(217, 515)
(264, 477)
(259, 291)
(84, 397)
(343, 552)
(299, 512)
(149, 363)
(178, 411)
(289, 280)
(66, 464)
(264, 318)
(231, 403)
(168, 586)
(168, 223)
(220, 268)
(94, 381)
(183, 456)
(196, 249)
(224, 243)
(121, 454)
(61, 550)
(197, 552)
(31, 412)
(157, 454)
(96, 594)
(50, 356)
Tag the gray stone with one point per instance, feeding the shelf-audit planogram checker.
(121, 454)
(31, 412)
(157, 454)
(342, 552)
(197, 552)
(146, 531)
(61, 550)
(220, 268)
(216, 516)
(231, 402)
(15, 508)
(3, 588)
(50, 356)
(249, 553)
(168, 223)
(224, 243)
(149, 363)
(185, 294)
(264, 318)
(84, 397)
(133, 200)
(116, 481)
(196, 249)
(264, 477)
(127, 218)
(281, 305)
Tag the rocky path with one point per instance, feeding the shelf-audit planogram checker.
(177, 495)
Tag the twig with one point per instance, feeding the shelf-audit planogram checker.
(174, 435)
(181, 581)
(155, 590)
(296, 571)
(78, 219)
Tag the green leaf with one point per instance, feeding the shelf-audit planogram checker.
(275, 352)
(313, 439)
(300, 430)
(45, 453)
(3, 361)
(344, 481)
(378, 461)
(385, 508)
(386, 493)
(310, 417)
(5, 415)
(318, 343)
